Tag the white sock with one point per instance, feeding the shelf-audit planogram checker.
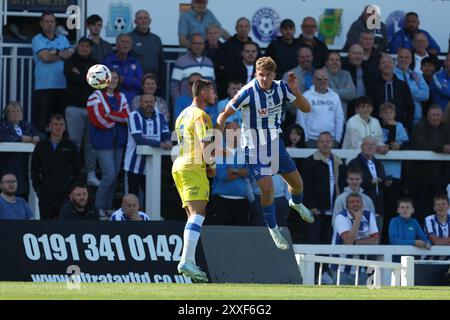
(191, 235)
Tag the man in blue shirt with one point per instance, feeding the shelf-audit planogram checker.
(440, 85)
(195, 21)
(49, 51)
(146, 127)
(12, 207)
(404, 37)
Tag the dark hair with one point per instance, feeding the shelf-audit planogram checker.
(252, 44)
(116, 90)
(56, 117)
(93, 19)
(77, 184)
(287, 23)
(47, 13)
(405, 200)
(325, 133)
(434, 106)
(354, 170)
(411, 13)
(149, 76)
(430, 60)
(6, 174)
(331, 52)
(199, 86)
(361, 101)
(436, 198)
(300, 132)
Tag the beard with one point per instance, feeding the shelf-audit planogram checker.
(9, 193)
(308, 37)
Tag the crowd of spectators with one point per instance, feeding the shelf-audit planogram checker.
(367, 101)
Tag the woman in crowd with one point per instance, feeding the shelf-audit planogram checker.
(108, 113)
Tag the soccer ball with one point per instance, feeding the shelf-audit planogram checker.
(266, 26)
(99, 76)
(120, 24)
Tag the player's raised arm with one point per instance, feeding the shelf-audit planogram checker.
(300, 103)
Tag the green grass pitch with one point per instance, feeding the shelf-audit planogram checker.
(45, 291)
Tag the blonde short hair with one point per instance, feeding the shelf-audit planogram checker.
(266, 63)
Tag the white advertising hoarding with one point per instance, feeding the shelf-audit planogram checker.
(334, 16)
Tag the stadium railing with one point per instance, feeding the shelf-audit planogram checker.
(402, 274)
(384, 254)
(154, 156)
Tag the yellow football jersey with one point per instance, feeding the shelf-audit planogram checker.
(192, 126)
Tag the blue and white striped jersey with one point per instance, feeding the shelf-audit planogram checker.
(119, 215)
(143, 131)
(435, 228)
(343, 223)
(261, 109)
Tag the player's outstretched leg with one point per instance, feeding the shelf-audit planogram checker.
(295, 183)
(268, 208)
(191, 234)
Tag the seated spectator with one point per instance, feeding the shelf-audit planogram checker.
(283, 50)
(308, 39)
(360, 76)
(127, 67)
(14, 129)
(185, 100)
(245, 69)
(193, 60)
(150, 86)
(373, 175)
(281, 195)
(404, 37)
(233, 87)
(428, 69)
(425, 179)
(78, 92)
(420, 46)
(229, 203)
(371, 55)
(394, 136)
(323, 180)
(353, 226)
(305, 74)
(294, 137)
(101, 48)
(12, 207)
(419, 88)
(354, 180)
(195, 21)
(362, 125)
(214, 51)
(361, 25)
(340, 81)
(78, 206)
(405, 230)
(108, 115)
(146, 127)
(440, 85)
(389, 88)
(233, 47)
(129, 210)
(326, 112)
(437, 226)
(55, 166)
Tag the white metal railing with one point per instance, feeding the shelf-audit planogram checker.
(384, 253)
(154, 155)
(402, 274)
